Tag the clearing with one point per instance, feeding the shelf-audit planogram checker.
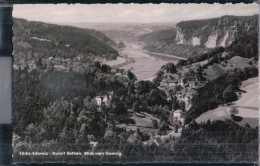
(216, 70)
(247, 105)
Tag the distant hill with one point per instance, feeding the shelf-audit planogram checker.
(33, 35)
(167, 36)
(192, 38)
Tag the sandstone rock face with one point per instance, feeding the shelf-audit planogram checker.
(214, 32)
(195, 41)
(181, 40)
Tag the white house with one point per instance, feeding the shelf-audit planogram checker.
(67, 45)
(178, 114)
(187, 100)
(93, 144)
(104, 99)
(99, 100)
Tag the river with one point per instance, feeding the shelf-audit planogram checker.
(145, 66)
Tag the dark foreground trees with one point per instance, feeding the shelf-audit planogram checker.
(217, 141)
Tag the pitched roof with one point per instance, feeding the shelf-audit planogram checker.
(171, 81)
(178, 111)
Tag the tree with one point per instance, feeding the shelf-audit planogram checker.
(182, 105)
(229, 95)
(174, 102)
(118, 108)
(162, 129)
(131, 75)
(154, 97)
(163, 117)
(120, 45)
(97, 64)
(233, 111)
(155, 124)
(181, 63)
(131, 88)
(136, 106)
(144, 87)
(39, 63)
(170, 67)
(105, 68)
(158, 77)
(50, 66)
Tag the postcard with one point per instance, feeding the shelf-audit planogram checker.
(135, 83)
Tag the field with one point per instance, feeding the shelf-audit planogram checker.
(216, 70)
(247, 106)
(143, 121)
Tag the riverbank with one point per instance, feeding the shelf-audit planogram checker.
(128, 60)
(166, 57)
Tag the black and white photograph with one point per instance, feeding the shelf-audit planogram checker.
(135, 83)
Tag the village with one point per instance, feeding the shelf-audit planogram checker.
(173, 85)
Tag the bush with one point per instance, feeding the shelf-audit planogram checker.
(229, 95)
(155, 124)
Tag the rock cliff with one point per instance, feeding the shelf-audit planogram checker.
(214, 32)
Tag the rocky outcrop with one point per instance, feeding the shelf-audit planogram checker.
(181, 40)
(214, 32)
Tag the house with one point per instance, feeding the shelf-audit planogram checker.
(113, 70)
(178, 114)
(187, 100)
(172, 83)
(104, 99)
(67, 45)
(99, 100)
(93, 144)
(107, 100)
(169, 98)
(180, 81)
(182, 120)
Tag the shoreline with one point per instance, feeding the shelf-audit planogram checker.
(128, 61)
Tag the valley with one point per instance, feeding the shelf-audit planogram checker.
(139, 89)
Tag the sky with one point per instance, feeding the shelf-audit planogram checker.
(143, 13)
